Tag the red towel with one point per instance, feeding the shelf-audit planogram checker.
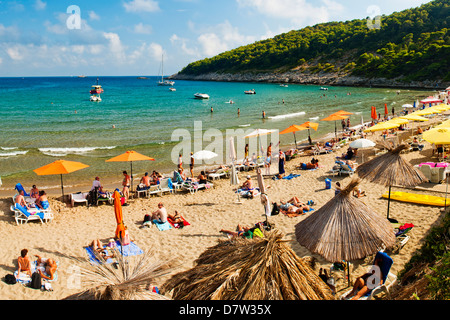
(176, 225)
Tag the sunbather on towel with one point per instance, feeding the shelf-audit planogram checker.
(24, 263)
(176, 218)
(97, 246)
(248, 186)
(42, 202)
(294, 205)
(50, 267)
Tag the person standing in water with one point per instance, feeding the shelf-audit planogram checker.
(263, 114)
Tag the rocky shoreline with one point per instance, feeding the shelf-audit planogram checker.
(330, 79)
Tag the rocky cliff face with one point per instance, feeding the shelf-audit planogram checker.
(331, 79)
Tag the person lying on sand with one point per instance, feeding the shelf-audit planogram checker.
(97, 246)
(239, 233)
(294, 205)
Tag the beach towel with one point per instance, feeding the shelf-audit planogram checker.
(288, 177)
(92, 257)
(176, 225)
(128, 250)
(162, 226)
(35, 266)
(29, 212)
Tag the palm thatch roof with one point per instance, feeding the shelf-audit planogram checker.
(345, 228)
(249, 269)
(131, 279)
(390, 168)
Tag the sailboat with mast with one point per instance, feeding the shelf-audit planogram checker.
(163, 82)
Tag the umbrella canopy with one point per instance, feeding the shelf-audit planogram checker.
(249, 269)
(60, 167)
(391, 169)
(335, 117)
(445, 124)
(345, 228)
(414, 117)
(343, 113)
(362, 143)
(119, 215)
(382, 126)
(424, 112)
(373, 113)
(293, 128)
(407, 106)
(437, 135)
(310, 125)
(398, 120)
(264, 198)
(430, 99)
(234, 179)
(204, 155)
(130, 156)
(386, 109)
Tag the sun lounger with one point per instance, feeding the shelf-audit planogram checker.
(193, 187)
(79, 197)
(23, 215)
(319, 150)
(218, 174)
(165, 185)
(105, 197)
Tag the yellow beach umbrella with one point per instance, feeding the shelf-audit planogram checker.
(424, 112)
(397, 120)
(382, 126)
(445, 124)
(413, 117)
(60, 167)
(437, 136)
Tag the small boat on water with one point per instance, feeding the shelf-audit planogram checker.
(283, 85)
(96, 89)
(172, 89)
(322, 88)
(163, 82)
(95, 98)
(201, 96)
(250, 91)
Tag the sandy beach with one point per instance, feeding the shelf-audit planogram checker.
(207, 211)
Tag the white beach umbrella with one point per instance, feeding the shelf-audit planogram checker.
(264, 197)
(362, 144)
(258, 133)
(234, 179)
(407, 106)
(204, 155)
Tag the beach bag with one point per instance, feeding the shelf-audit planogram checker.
(36, 281)
(10, 279)
(126, 238)
(275, 210)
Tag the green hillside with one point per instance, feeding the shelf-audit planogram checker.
(413, 44)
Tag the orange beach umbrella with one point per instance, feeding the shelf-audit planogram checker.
(293, 128)
(310, 125)
(60, 167)
(343, 113)
(119, 215)
(130, 156)
(334, 117)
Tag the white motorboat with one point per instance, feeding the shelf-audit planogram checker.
(283, 85)
(201, 96)
(250, 91)
(96, 98)
(172, 89)
(322, 88)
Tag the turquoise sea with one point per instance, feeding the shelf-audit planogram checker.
(50, 118)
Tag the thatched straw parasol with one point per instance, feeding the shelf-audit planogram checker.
(131, 280)
(391, 169)
(345, 229)
(249, 269)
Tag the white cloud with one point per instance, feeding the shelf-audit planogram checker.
(40, 5)
(298, 12)
(175, 40)
(15, 53)
(93, 16)
(141, 6)
(143, 28)
(115, 46)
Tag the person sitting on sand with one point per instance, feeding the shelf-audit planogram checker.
(50, 267)
(160, 214)
(34, 193)
(248, 186)
(97, 246)
(357, 192)
(360, 287)
(24, 263)
(42, 202)
(239, 233)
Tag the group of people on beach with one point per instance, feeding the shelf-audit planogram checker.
(25, 266)
(38, 199)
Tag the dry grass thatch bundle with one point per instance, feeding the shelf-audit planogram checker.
(249, 269)
(131, 280)
(390, 168)
(345, 228)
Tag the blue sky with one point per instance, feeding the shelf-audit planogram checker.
(128, 37)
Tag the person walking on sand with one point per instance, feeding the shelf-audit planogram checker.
(126, 182)
(191, 165)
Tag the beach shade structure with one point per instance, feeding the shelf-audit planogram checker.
(293, 128)
(391, 169)
(264, 197)
(343, 113)
(60, 167)
(130, 278)
(260, 132)
(407, 106)
(397, 120)
(373, 113)
(310, 125)
(120, 230)
(382, 126)
(445, 124)
(386, 112)
(431, 99)
(362, 144)
(234, 179)
(203, 155)
(437, 135)
(261, 268)
(414, 117)
(335, 117)
(345, 229)
(130, 156)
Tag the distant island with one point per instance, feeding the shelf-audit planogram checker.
(410, 49)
